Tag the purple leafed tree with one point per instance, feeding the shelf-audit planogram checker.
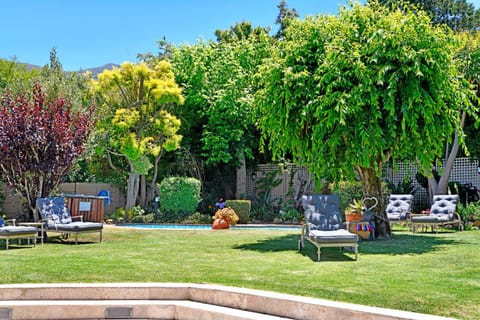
(39, 142)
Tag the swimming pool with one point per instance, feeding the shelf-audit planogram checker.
(204, 227)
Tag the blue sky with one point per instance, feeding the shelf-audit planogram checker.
(90, 33)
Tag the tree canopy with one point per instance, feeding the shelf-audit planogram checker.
(459, 15)
(40, 139)
(135, 123)
(344, 94)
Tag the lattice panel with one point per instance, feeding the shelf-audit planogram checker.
(464, 171)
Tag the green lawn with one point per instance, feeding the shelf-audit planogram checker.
(429, 273)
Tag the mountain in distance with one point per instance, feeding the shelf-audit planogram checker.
(95, 70)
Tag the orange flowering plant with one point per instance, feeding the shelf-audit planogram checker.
(227, 214)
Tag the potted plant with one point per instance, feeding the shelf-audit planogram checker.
(224, 218)
(353, 212)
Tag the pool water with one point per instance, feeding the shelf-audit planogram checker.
(204, 227)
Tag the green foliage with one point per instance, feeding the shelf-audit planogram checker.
(144, 218)
(116, 216)
(198, 218)
(179, 198)
(242, 208)
(15, 77)
(469, 212)
(459, 15)
(405, 186)
(136, 125)
(264, 205)
(343, 93)
(348, 191)
(290, 214)
(219, 92)
(135, 212)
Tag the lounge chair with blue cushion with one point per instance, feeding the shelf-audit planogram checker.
(323, 225)
(442, 213)
(8, 230)
(399, 208)
(57, 218)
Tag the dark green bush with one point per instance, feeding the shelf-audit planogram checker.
(146, 218)
(198, 218)
(348, 191)
(179, 198)
(241, 208)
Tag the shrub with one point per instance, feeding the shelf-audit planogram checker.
(135, 212)
(116, 216)
(242, 209)
(347, 191)
(145, 218)
(179, 197)
(198, 218)
(290, 215)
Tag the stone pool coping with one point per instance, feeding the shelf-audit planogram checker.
(176, 301)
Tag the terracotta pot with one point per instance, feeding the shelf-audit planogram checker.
(220, 224)
(350, 217)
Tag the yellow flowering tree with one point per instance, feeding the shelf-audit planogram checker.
(136, 125)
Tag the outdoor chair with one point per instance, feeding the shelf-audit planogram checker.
(442, 213)
(399, 208)
(56, 216)
(323, 225)
(9, 230)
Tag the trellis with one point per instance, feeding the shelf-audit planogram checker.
(464, 171)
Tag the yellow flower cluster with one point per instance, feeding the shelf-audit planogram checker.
(227, 214)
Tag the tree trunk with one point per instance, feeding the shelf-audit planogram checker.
(372, 187)
(132, 191)
(153, 189)
(142, 195)
(441, 187)
(241, 189)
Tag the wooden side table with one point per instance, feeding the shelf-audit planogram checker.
(38, 225)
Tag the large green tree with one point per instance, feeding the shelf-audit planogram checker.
(15, 77)
(345, 94)
(459, 15)
(219, 83)
(135, 122)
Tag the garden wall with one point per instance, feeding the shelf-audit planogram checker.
(14, 208)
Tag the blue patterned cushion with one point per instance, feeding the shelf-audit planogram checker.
(54, 211)
(399, 206)
(322, 212)
(444, 206)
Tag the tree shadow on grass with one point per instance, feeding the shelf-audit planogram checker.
(290, 242)
(399, 244)
(66, 241)
(405, 244)
(273, 244)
